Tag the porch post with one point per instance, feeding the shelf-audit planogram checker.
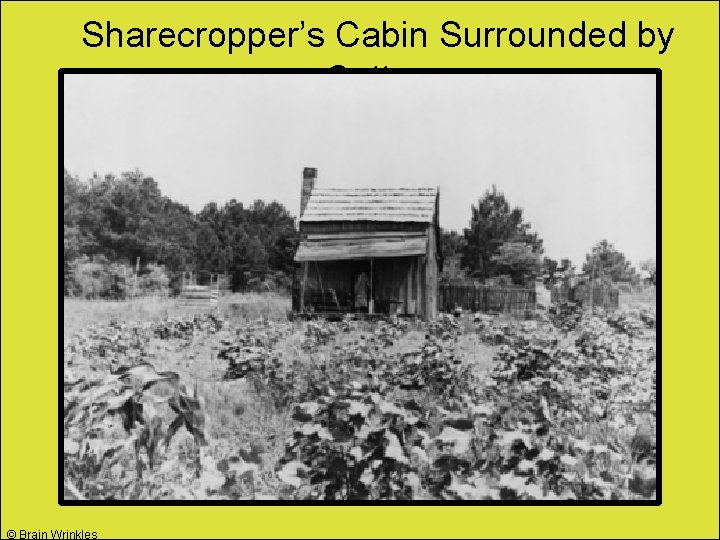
(419, 307)
(371, 303)
(408, 287)
(302, 286)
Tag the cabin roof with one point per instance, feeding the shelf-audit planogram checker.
(371, 204)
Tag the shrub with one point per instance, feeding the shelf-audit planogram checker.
(154, 281)
(283, 282)
(452, 272)
(99, 278)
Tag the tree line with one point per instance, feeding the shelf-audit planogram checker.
(112, 222)
(500, 246)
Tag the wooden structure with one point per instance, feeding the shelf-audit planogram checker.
(192, 294)
(486, 298)
(587, 294)
(367, 251)
(600, 295)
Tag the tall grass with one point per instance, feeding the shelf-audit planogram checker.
(80, 313)
(255, 305)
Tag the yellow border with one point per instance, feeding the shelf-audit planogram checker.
(40, 38)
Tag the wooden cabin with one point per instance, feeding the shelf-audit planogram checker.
(367, 251)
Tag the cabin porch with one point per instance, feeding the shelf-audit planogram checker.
(392, 286)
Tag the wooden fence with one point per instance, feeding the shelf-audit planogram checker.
(195, 295)
(483, 298)
(603, 296)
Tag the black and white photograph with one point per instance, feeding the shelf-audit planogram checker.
(360, 287)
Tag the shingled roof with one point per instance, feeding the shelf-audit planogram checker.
(363, 204)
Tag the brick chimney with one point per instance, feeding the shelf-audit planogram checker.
(308, 183)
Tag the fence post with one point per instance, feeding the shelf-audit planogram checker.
(137, 271)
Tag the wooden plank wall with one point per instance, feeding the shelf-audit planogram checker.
(195, 295)
(358, 226)
(603, 296)
(393, 283)
(199, 295)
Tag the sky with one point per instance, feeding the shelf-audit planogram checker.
(575, 152)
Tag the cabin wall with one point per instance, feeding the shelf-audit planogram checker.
(395, 285)
(358, 226)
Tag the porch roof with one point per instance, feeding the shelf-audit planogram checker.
(361, 245)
